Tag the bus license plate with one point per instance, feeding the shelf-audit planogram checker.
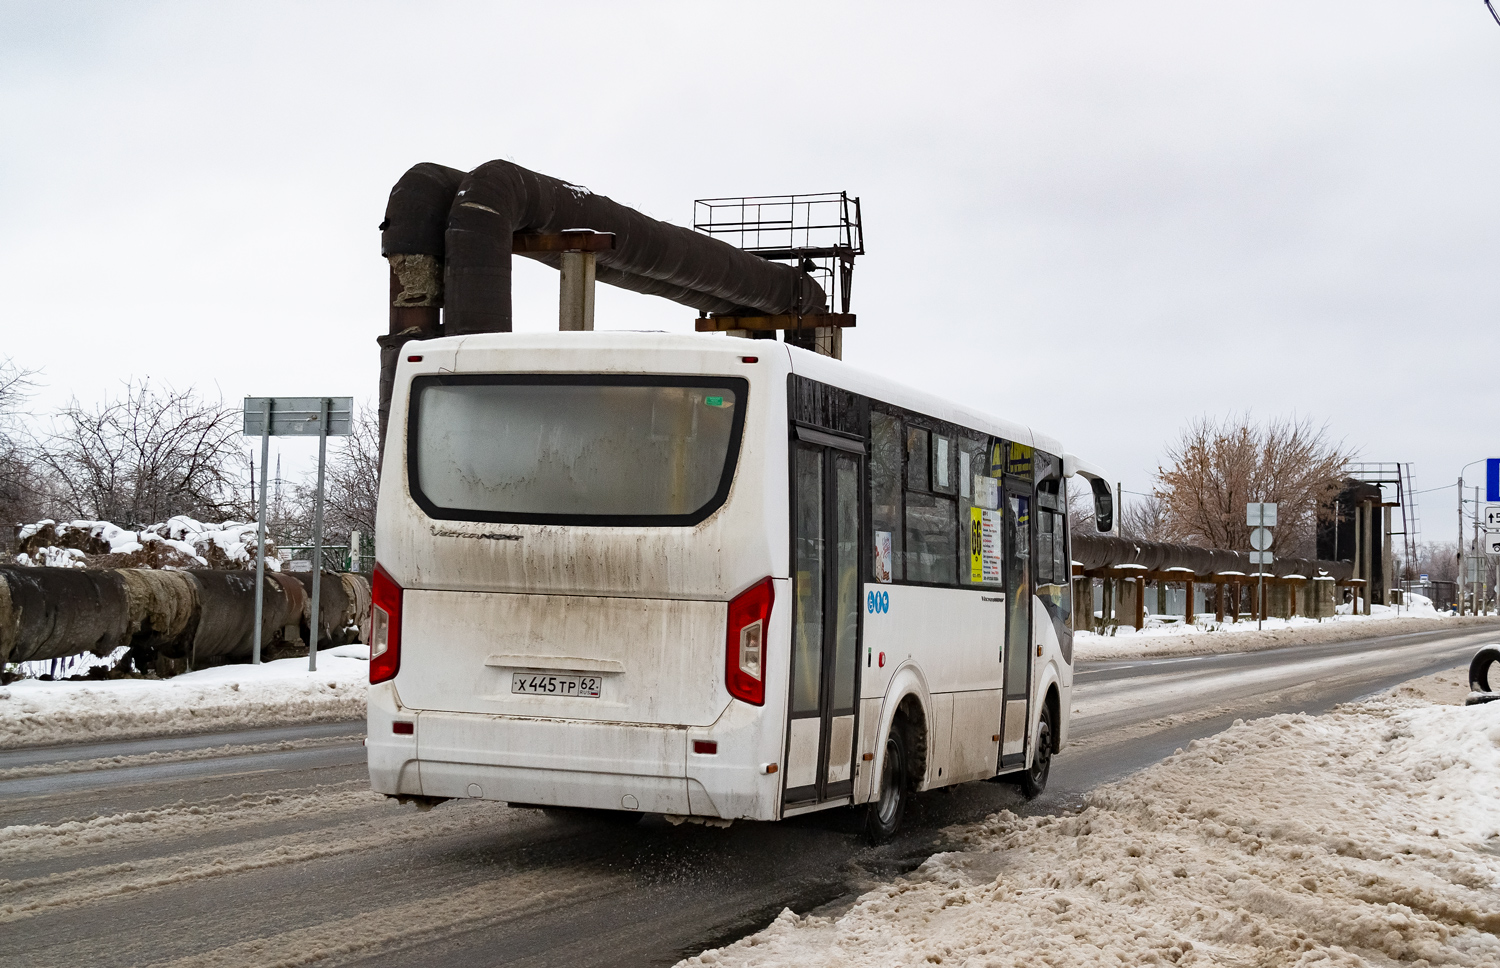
(578, 687)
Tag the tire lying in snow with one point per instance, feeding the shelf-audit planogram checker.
(1484, 671)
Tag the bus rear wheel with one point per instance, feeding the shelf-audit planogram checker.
(883, 815)
(1034, 779)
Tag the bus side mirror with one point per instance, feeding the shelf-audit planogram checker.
(1104, 505)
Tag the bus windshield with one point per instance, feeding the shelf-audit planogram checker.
(588, 449)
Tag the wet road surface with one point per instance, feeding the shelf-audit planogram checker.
(265, 847)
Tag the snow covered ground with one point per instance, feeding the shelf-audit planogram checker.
(1367, 836)
(34, 713)
(1208, 636)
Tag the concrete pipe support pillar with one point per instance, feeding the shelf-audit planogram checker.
(1129, 601)
(575, 311)
(1369, 550)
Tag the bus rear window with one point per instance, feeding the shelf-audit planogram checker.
(588, 449)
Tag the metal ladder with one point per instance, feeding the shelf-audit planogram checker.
(1411, 521)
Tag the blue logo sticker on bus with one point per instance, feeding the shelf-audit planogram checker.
(878, 602)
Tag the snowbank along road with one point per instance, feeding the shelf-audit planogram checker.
(265, 847)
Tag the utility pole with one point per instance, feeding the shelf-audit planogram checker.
(1475, 552)
(1460, 582)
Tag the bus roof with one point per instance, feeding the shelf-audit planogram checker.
(840, 374)
(804, 362)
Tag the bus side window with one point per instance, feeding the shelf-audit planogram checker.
(942, 464)
(1043, 561)
(1054, 568)
(931, 519)
(978, 511)
(916, 459)
(885, 497)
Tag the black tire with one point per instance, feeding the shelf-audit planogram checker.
(883, 814)
(1034, 779)
(1482, 671)
(589, 815)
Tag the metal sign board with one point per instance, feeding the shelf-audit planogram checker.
(1261, 515)
(298, 416)
(1475, 569)
(1260, 538)
(1492, 479)
(1260, 558)
(1491, 542)
(1492, 517)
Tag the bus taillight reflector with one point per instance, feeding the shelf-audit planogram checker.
(385, 626)
(745, 644)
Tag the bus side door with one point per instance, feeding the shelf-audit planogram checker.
(827, 515)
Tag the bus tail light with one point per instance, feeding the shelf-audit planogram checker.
(745, 645)
(385, 626)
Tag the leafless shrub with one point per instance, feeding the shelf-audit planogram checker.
(145, 457)
(1215, 468)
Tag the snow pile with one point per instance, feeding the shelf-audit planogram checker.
(1364, 837)
(1209, 636)
(179, 542)
(35, 713)
(1162, 625)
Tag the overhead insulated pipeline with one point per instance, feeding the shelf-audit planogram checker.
(1094, 551)
(449, 237)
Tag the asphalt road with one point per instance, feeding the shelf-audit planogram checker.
(264, 847)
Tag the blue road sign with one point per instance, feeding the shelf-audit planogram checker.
(1492, 479)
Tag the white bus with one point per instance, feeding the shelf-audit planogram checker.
(708, 577)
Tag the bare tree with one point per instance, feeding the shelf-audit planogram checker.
(350, 488)
(22, 486)
(1215, 468)
(145, 457)
(1438, 561)
(1145, 519)
(354, 479)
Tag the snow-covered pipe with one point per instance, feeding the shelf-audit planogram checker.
(49, 613)
(226, 617)
(1094, 551)
(341, 598)
(168, 619)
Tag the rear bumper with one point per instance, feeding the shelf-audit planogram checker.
(572, 763)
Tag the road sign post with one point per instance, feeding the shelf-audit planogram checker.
(267, 417)
(1261, 517)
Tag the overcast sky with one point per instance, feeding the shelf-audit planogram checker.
(1102, 219)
